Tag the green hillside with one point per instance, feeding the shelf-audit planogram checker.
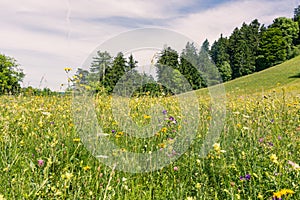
(285, 74)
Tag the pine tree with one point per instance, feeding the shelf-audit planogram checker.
(220, 57)
(189, 66)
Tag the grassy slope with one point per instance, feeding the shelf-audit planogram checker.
(287, 73)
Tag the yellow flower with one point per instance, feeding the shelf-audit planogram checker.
(164, 130)
(147, 117)
(217, 147)
(162, 145)
(2, 197)
(68, 175)
(86, 168)
(67, 69)
(274, 158)
(76, 140)
(260, 196)
(287, 191)
(198, 185)
(283, 192)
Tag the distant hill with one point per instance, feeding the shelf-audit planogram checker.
(284, 74)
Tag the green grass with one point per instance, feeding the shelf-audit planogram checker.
(252, 159)
(283, 74)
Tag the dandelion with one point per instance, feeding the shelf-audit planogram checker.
(279, 194)
(40, 163)
(76, 140)
(67, 69)
(274, 158)
(86, 168)
(147, 117)
(164, 130)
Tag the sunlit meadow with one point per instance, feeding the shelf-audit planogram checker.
(256, 156)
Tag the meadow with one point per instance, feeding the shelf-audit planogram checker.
(42, 155)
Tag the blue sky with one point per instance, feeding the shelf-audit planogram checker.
(47, 36)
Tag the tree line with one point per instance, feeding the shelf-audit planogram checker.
(251, 48)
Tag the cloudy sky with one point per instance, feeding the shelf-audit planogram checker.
(47, 36)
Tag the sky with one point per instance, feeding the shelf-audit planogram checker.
(47, 36)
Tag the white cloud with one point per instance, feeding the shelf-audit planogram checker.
(224, 18)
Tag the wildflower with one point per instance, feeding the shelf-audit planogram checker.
(260, 196)
(124, 179)
(76, 140)
(279, 194)
(279, 137)
(176, 168)
(295, 166)
(40, 163)
(2, 197)
(67, 69)
(147, 117)
(198, 185)
(164, 112)
(261, 139)
(113, 131)
(217, 147)
(247, 177)
(46, 113)
(86, 168)
(68, 175)
(162, 145)
(271, 144)
(274, 158)
(164, 130)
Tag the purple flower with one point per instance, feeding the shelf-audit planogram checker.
(271, 144)
(113, 131)
(248, 177)
(279, 137)
(261, 139)
(176, 168)
(171, 118)
(164, 112)
(40, 163)
(272, 120)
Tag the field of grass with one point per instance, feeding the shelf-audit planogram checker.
(257, 156)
